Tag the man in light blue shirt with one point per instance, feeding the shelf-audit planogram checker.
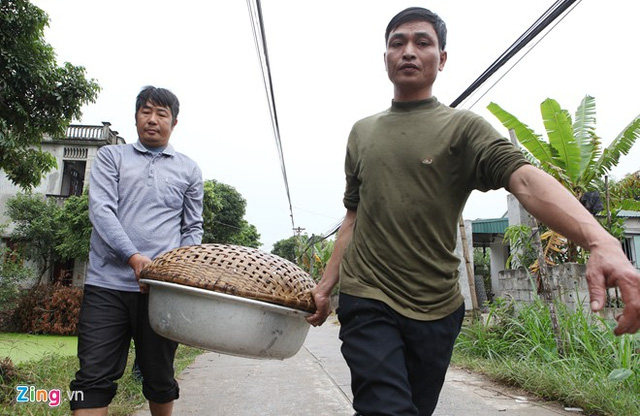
(144, 199)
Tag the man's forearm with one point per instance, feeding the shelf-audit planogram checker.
(331, 275)
(548, 201)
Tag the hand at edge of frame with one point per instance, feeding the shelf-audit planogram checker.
(611, 268)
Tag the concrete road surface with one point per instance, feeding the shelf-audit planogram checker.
(316, 382)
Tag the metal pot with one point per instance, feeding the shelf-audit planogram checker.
(224, 323)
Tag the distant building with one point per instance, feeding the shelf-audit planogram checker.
(489, 234)
(631, 243)
(74, 154)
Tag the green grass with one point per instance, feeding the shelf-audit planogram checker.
(597, 372)
(54, 371)
(26, 347)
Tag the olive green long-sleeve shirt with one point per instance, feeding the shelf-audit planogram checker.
(409, 171)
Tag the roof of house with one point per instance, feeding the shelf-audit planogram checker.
(489, 226)
(629, 214)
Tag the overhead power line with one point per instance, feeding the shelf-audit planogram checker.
(555, 11)
(257, 24)
(259, 37)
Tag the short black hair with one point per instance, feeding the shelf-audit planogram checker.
(413, 14)
(158, 96)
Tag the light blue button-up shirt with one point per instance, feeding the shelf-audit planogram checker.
(140, 202)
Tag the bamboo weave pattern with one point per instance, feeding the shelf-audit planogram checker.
(235, 270)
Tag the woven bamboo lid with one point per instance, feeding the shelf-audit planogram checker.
(235, 270)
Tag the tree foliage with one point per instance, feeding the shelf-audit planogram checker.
(13, 271)
(626, 192)
(310, 253)
(315, 255)
(573, 155)
(74, 232)
(288, 248)
(248, 236)
(35, 227)
(47, 232)
(224, 210)
(37, 96)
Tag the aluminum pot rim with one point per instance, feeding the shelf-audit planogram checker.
(272, 307)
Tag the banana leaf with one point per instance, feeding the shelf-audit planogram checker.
(559, 128)
(530, 140)
(584, 131)
(620, 146)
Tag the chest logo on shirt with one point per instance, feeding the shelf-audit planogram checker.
(427, 160)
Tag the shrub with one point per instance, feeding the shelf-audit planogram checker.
(13, 272)
(8, 375)
(8, 321)
(50, 309)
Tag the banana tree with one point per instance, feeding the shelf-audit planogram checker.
(573, 154)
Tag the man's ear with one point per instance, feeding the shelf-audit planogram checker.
(443, 60)
(175, 121)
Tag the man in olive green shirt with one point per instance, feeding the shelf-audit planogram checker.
(409, 171)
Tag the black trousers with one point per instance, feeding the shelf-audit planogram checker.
(109, 319)
(397, 364)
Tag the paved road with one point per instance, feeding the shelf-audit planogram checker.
(316, 382)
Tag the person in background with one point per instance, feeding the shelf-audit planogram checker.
(409, 171)
(144, 199)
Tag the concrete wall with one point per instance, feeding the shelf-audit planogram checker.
(568, 283)
(569, 287)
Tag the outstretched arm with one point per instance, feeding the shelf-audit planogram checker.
(548, 201)
(322, 292)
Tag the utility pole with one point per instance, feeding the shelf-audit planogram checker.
(298, 254)
(312, 259)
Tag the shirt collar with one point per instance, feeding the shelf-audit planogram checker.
(169, 150)
(405, 106)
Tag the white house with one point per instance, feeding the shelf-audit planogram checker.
(74, 154)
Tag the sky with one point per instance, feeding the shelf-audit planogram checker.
(326, 60)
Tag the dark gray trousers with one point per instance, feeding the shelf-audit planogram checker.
(397, 364)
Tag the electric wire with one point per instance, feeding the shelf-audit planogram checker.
(319, 238)
(520, 58)
(260, 40)
(557, 9)
(257, 24)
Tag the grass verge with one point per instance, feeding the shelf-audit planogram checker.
(54, 372)
(594, 370)
(27, 347)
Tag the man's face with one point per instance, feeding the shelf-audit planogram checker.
(155, 124)
(413, 59)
